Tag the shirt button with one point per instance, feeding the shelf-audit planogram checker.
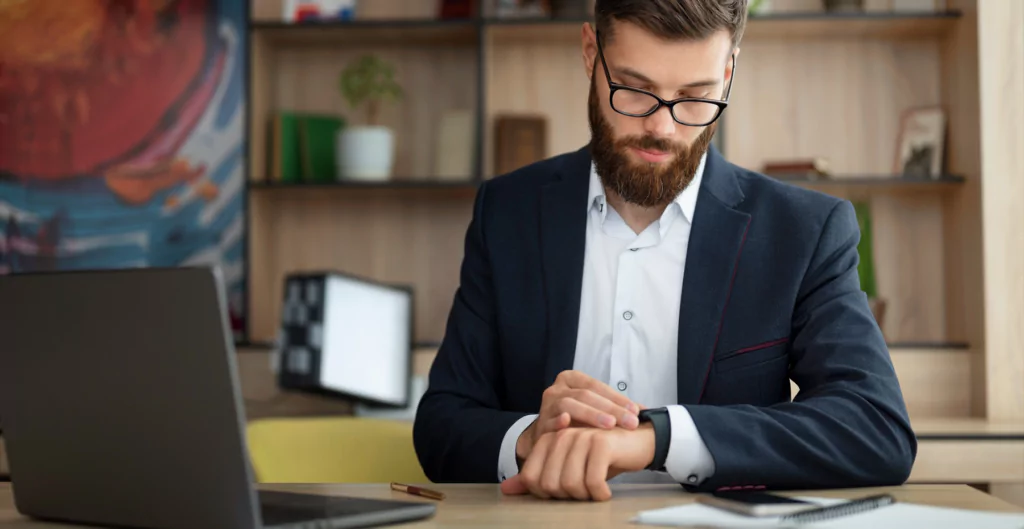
(692, 478)
(622, 386)
(628, 315)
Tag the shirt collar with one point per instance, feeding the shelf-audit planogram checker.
(687, 200)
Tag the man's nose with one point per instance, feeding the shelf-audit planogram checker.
(660, 124)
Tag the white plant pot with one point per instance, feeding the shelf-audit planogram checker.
(365, 153)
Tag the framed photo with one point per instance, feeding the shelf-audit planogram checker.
(921, 143)
(519, 141)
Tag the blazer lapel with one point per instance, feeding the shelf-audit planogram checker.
(563, 244)
(716, 242)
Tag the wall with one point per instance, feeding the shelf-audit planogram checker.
(121, 135)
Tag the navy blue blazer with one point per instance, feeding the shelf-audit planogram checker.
(770, 293)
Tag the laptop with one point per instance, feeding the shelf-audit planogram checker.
(120, 406)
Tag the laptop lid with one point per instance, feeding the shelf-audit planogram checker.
(120, 399)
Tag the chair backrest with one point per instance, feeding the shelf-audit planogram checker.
(333, 450)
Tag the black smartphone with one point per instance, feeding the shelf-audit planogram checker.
(752, 503)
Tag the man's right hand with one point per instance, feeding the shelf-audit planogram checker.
(576, 399)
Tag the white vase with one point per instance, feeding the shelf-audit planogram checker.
(365, 153)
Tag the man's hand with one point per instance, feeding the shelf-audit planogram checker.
(576, 463)
(576, 399)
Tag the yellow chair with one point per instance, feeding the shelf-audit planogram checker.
(333, 450)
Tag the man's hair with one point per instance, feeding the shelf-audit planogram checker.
(674, 19)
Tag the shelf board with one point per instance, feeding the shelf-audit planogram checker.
(967, 429)
(888, 25)
(400, 32)
(812, 24)
(928, 346)
(873, 181)
(422, 185)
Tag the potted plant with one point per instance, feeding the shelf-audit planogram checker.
(866, 266)
(367, 152)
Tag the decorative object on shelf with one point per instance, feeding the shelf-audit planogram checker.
(522, 8)
(318, 10)
(759, 7)
(570, 9)
(844, 6)
(457, 9)
(811, 168)
(920, 148)
(302, 147)
(520, 141)
(915, 6)
(453, 154)
(367, 152)
(866, 266)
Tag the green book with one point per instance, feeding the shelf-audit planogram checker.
(283, 163)
(302, 147)
(317, 134)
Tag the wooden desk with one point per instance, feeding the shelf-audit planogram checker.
(485, 506)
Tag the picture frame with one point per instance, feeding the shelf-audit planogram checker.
(921, 143)
(519, 141)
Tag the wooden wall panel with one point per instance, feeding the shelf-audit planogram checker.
(435, 78)
(841, 100)
(1001, 46)
(965, 318)
(542, 77)
(838, 99)
(409, 237)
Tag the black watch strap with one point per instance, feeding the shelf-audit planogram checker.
(658, 417)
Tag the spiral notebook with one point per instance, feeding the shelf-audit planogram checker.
(895, 516)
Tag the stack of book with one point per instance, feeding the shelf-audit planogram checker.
(302, 147)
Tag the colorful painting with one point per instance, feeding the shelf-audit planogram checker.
(121, 136)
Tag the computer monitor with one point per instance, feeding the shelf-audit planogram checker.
(347, 335)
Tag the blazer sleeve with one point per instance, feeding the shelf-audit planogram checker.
(848, 426)
(459, 423)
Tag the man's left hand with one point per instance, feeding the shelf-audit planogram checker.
(576, 463)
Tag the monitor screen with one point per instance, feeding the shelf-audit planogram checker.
(367, 346)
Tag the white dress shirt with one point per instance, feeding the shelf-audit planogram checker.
(629, 323)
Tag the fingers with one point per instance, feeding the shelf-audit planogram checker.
(624, 416)
(598, 460)
(574, 470)
(580, 380)
(556, 423)
(585, 414)
(551, 475)
(514, 486)
(531, 472)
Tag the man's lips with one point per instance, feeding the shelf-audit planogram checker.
(651, 156)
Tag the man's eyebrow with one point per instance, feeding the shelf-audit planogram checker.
(629, 72)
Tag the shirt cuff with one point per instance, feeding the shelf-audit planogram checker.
(507, 464)
(689, 461)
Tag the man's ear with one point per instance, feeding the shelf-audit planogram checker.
(589, 47)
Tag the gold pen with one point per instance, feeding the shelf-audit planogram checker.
(417, 491)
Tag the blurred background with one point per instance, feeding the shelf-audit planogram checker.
(277, 138)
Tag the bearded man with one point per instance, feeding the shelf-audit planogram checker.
(635, 310)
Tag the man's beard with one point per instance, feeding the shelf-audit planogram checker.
(644, 184)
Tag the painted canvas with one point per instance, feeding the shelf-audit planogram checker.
(121, 136)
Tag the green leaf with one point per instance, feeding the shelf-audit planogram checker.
(368, 79)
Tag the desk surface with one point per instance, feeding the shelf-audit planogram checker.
(484, 505)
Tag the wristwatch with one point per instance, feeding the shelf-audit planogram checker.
(658, 417)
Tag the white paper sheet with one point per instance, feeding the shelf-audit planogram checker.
(895, 516)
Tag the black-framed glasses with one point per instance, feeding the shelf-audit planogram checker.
(637, 103)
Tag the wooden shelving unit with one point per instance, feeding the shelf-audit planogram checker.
(809, 84)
